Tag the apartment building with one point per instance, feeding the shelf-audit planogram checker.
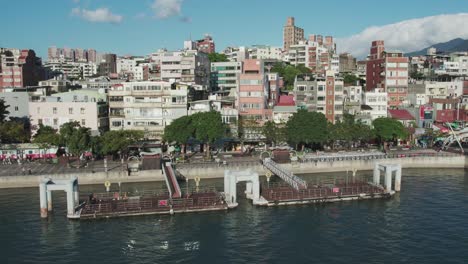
(315, 55)
(88, 107)
(225, 79)
(291, 34)
(265, 52)
(147, 106)
(253, 91)
(376, 104)
(324, 95)
(389, 71)
(19, 68)
(188, 66)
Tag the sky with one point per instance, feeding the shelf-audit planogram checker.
(139, 27)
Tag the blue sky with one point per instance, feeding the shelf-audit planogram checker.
(139, 27)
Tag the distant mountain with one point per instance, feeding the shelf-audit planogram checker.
(453, 45)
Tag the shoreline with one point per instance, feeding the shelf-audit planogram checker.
(214, 171)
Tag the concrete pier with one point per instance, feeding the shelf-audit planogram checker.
(388, 169)
(43, 199)
(231, 178)
(47, 185)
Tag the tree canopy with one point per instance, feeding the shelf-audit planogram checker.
(349, 130)
(273, 133)
(307, 128)
(114, 142)
(206, 127)
(75, 137)
(3, 111)
(387, 129)
(217, 57)
(13, 132)
(46, 137)
(180, 130)
(289, 73)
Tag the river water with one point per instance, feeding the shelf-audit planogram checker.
(426, 223)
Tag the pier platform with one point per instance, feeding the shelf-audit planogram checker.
(283, 194)
(150, 203)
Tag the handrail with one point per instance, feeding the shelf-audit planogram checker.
(296, 182)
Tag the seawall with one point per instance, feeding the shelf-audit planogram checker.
(83, 178)
(206, 171)
(214, 171)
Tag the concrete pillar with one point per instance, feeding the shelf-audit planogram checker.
(398, 179)
(233, 188)
(76, 192)
(49, 201)
(70, 200)
(43, 199)
(248, 188)
(256, 189)
(376, 174)
(388, 179)
(227, 190)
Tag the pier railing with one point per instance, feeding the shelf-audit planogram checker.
(372, 156)
(320, 192)
(295, 182)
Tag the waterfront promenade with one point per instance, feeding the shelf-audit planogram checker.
(11, 176)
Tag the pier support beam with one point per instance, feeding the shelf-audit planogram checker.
(49, 201)
(47, 185)
(43, 199)
(376, 179)
(388, 169)
(231, 178)
(398, 181)
(388, 180)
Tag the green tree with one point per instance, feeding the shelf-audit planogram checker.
(75, 137)
(388, 129)
(3, 111)
(307, 128)
(349, 130)
(114, 142)
(289, 73)
(46, 137)
(13, 132)
(180, 131)
(208, 128)
(217, 57)
(273, 133)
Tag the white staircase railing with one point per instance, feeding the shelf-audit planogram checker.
(295, 182)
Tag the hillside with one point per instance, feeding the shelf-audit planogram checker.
(457, 44)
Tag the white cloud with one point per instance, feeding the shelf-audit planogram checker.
(103, 15)
(408, 35)
(167, 8)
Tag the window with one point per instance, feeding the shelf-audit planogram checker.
(39, 121)
(16, 108)
(83, 122)
(55, 121)
(116, 123)
(70, 110)
(321, 88)
(75, 98)
(82, 110)
(54, 110)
